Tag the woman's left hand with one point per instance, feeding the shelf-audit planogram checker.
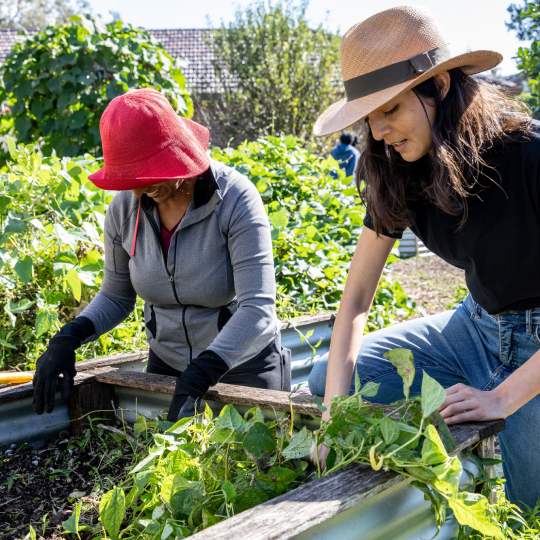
(466, 404)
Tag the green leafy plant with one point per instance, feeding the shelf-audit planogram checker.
(59, 81)
(274, 73)
(411, 439)
(200, 471)
(51, 255)
(316, 219)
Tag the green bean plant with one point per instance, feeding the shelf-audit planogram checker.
(202, 470)
(51, 243)
(316, 218)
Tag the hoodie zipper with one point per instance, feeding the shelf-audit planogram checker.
(171, 278)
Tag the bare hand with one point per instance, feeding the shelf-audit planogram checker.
(466, 404)
(323, 453)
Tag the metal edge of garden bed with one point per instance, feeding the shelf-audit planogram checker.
(18, 421)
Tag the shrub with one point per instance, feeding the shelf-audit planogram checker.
(51, 250)
(59, 81)
(274, 74)
(316, 218)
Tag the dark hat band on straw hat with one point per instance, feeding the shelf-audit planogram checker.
(387, 76)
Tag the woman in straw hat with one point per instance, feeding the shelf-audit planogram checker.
(458, 163)
(189, 236)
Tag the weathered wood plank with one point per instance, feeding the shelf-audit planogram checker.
(26, 390)
(19, 391)
(486, 449)
(308, 319)
(87, 398)
(305, 507)
(465, 434)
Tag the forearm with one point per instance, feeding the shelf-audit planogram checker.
(344, 348)
(522, 386)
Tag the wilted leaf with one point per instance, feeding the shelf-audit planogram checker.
(403, 360)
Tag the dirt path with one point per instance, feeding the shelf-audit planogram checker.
(431, 282)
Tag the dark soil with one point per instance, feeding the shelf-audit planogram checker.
(41, 487)
(433, 284)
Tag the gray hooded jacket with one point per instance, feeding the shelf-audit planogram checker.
(217, 290)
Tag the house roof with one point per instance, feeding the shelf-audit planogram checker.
(188, 44)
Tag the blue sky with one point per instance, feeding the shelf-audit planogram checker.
(474, 24)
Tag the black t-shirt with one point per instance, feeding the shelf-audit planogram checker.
(499, 244)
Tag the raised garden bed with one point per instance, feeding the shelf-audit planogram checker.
(352, 503)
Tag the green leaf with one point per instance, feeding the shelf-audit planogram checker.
(229, 418)
(389, 430)
(20, 307)
(229, 492)
(171, 485)
(72, 523)
(447, 478)
(147, 461)
(357, 384)
(433, 451)
(370, 389)
(300, 445)
(112, 511)
(279, 219)
(141, 480)
(25, 268)
(444, 432)
(14, 224)
(433, 395)
(403, 360)
(45, 321)
(473, 509)
(12, 147)
(319, 404)
(75, 283)
(259, 444)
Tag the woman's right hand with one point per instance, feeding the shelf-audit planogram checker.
(323, 451)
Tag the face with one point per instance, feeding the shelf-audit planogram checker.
(402, 122)
(164, 191)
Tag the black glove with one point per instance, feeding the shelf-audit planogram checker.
(202, 373)
(59, 359)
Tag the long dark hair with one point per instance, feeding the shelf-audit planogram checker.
(473, 118)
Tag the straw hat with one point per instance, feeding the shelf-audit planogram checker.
(388, 54)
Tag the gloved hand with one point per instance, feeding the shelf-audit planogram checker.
(202, 373)
(59, 359)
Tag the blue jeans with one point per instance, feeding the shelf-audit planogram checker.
(464, 345)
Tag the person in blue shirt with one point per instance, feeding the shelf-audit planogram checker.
(346, 154)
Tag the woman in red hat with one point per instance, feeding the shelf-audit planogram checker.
(191, 237)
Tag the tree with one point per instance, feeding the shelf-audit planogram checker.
(273, 73)
(59, 81)
(523, 20)
(36, 14)
(526, 22)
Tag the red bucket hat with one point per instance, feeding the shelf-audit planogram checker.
(145, 142)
